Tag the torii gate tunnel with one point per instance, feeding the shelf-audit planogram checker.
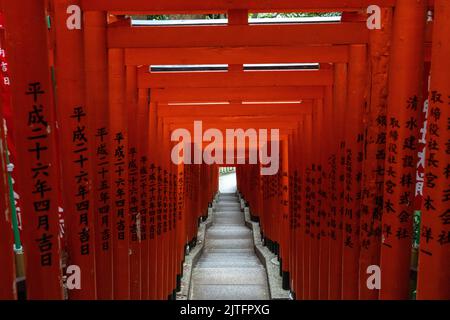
(353, 114)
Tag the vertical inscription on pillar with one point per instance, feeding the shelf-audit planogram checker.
(133, 194)
(38, 140)
(120, 196)
(437, 194)
(80, 156)
(153, 191)
(143, 199)
(103, 187)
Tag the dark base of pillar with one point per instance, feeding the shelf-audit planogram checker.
(178, 283)
(286, 280)
(21, 289)
(294, 296)
(172, 296)
(274, 247)
(269, 244)
(193, 243)
(281, 266)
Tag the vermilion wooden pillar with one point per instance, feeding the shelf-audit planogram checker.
(76, 158)
(268, 230)
(353, 170)
(262, 212)
(405, 98)
(162, 237)
(434, 256)
(273, 210)
(155, 176)
(176, 261)
(168, 211)
(8, 275)
(181, 217)
(284, 212)
(316, 199)
(325, 212)
(154, 262)
(308, 204)
(144, 187)
(258, 200)
(277, 216)
(179, 250)
(373, 166)
(96, 90)
(336, 222)
(187, 191)
(266, 226)
(34, 120)
(119, 173)
(293, 212)
(170, 218)
(300, 203)
(165, 139)
(134, 150)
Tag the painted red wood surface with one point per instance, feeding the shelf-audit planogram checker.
(95, 140)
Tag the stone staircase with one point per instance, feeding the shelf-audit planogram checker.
(228, 268)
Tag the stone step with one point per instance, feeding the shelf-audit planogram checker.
(224, 266)
(226, 257)
(229, 243)
(253, 276)
(229, 292)
(229, 233)
(230, 255)
(228, 250)
(229, 221)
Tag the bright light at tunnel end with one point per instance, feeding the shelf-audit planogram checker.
(210, 146)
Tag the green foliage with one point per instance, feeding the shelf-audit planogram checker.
(294, 15)
(252, 15)
(180, 17)
(226, 170)
(416, 232)
(215, 16)
(159, 17)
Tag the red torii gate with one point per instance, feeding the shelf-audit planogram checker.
(102, 95)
